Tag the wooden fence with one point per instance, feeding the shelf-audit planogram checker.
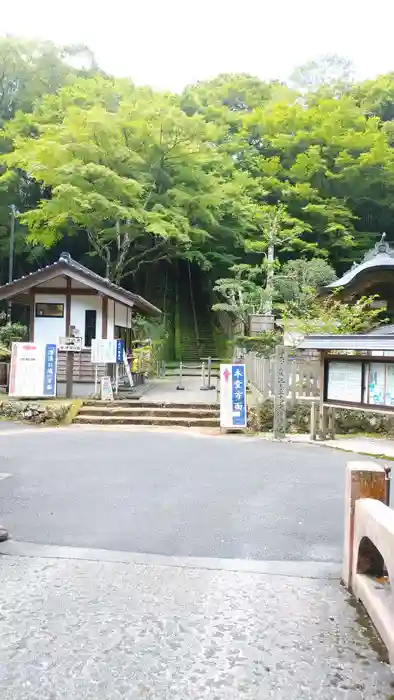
(301, 375)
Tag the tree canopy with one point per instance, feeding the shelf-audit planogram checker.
(133, 177)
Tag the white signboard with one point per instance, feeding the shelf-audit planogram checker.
(106, 389)
(390, 385)
(381, 384)
(344, 381)
(105, 351)
(377, 384)
(33, 370)
(70, 344)
(233, 412)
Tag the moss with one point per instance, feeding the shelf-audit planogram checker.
(72, 412)
(350, 423)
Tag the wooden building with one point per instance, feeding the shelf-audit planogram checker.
(67, 299)
(373, 275)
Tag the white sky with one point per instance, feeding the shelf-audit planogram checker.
(170, 43)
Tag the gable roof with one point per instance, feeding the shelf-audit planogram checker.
(380, 257)
(74, 270)
(348, 342)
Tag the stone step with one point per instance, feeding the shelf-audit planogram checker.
(149, 412)
(191, 422)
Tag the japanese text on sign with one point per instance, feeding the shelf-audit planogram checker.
(33, 370)
(232, 396)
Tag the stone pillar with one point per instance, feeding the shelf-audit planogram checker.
(281, 385)
(363, 480)
(314, 419)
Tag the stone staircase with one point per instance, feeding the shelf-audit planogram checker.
(144, 413)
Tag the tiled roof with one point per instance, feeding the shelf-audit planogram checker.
(381, 256)
(67, 264)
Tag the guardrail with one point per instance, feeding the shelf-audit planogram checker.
(368, 569)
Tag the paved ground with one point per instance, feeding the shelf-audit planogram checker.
(173, 494)
(89, 624)
(362, 445)
(97, 630)
(165, 390)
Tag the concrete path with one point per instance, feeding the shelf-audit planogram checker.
(165, 391)
(93, 630)
(190, 567)
(378, 447)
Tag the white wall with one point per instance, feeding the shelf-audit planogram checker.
(48, 330)
(111, 316)
(123, 315)
(80, 304)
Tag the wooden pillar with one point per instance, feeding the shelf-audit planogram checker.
(70, 355)
(322, 412)
(363, 480)
(32, 315)
(331, 422)
(104, 317)
(104, 328)
(314, 413)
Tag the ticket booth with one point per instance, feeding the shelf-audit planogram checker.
(67, 300)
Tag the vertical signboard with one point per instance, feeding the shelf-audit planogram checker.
(106, 389)
(233, 396)
(33, 370)
(50, 370)
(119, 351)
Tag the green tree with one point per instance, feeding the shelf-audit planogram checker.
(129, 168)
(331, 315)
(29, 70)
(242, 294)
(376, 97)
(330, 165)
(299, 280)
(331, 74)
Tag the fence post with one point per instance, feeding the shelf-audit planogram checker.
(180, 386)
(203, 386)
(293, 387)
(210, 373)
(314, 415)
(363, 480)
(266, 370)
(280, 395)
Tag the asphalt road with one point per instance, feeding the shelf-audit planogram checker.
(173, 494)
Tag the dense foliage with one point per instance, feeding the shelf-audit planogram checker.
(233, 172)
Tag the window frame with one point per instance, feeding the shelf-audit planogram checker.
(48, 304)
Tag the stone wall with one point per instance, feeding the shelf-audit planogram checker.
(34, 411)
(261, 419)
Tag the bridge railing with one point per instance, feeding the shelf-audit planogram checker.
(368, 569)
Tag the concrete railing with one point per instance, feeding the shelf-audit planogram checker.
(369, 546)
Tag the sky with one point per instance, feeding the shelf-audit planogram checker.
(171, 43)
